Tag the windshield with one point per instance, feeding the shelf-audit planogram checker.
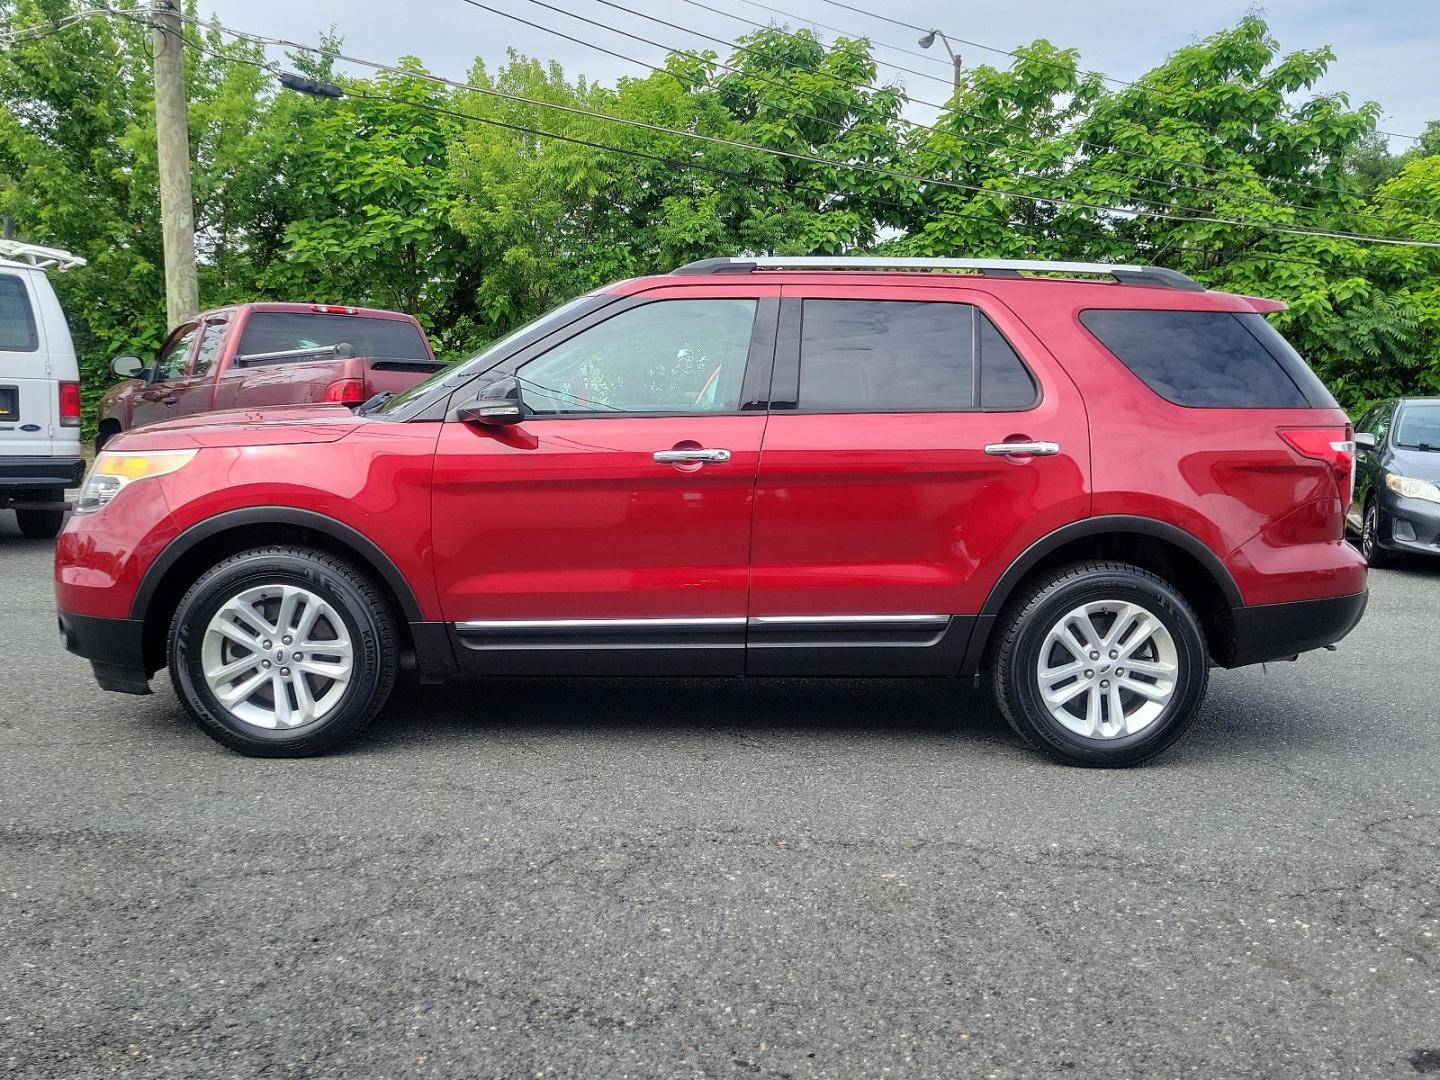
(1418, 426)
(486, 356)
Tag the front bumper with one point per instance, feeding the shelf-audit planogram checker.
(1409, 526)
(114, 647)
(26, 473)
(1281, 631)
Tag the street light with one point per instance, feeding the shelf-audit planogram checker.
(929, 39)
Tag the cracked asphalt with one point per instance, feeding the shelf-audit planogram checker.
(592, 879)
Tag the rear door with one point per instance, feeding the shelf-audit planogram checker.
(887, 502)
(29, 401)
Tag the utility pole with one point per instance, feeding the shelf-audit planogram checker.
(172, 137)
(955, 62)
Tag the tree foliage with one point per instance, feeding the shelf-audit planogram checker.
(476, 209)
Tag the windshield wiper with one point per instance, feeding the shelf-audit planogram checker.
(373, 403)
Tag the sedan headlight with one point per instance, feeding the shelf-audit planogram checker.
(113, 470)
(1411, 488)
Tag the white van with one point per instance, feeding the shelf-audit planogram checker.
(40, 452)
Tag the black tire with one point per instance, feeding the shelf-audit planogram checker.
(360, 606)
(1022, 630)
(1376, 557)
(41, 524)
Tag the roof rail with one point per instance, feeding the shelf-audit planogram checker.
(1154, 276)
(35, 255)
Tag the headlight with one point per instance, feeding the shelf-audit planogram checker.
(1412, 488)
(113, 470)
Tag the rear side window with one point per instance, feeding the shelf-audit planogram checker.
(287, 331)
(1209, 359)
(17, 321)
(906, 356)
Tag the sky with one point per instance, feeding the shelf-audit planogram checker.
(1385, 50)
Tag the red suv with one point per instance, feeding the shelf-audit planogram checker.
(1086, 482)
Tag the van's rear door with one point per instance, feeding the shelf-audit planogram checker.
(29, 398)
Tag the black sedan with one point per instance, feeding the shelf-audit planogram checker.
(1397, 480)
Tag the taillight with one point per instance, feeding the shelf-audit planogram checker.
(333, 309)
(346, 392)
(69, 404)
(1333, 445)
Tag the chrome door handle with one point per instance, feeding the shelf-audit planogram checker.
(1025, 449)
(680, 457)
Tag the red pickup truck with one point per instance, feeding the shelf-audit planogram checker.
(268, 354)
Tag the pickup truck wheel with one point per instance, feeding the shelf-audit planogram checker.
(41, 524)
(283, 651)
(1100, 664)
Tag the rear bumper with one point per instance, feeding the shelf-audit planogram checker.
(114, 648)
(1280, 631)
(23, 473)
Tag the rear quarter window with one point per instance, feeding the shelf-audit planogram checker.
(17, 321)
(1209, 359)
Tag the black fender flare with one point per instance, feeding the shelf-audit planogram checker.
(1110, 525)
(276, 515)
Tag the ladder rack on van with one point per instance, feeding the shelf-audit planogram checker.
(1153, 276)
(35, 255)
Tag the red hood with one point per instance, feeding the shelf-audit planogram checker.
(271, 426)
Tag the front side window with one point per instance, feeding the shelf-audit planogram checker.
(670, 356)
(210, 344)
(175, 355)
(17, 321)
(906, 356)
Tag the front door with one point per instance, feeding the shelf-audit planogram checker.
(887, 502)
(156, 400)
(609, 531)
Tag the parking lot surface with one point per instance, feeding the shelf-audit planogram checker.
(529, 878)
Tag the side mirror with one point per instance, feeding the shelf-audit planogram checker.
(498, 404)
(127, 367)
(1364, 440)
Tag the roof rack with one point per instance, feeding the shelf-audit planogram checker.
(35, 255)
(1153, 276)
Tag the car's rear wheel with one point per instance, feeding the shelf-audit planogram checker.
(41, 524)
(283, 651)
(1375, 555)
(1100, 664)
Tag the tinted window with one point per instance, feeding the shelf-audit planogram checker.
(1418, 425)
(1380, 423)
(671, 356)
(886, 356)
(1209, 359)
(17, 322)
(210, 343)
(906, 356)
(377, 339)
(1004, 381)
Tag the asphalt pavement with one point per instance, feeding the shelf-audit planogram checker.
(600, 878)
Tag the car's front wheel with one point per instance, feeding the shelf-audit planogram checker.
(283, 651)
(1375, 555)
(1100, 663)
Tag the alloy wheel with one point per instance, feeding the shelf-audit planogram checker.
(1107, 669)
(277, 656)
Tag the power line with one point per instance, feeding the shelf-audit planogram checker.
(1033, 154)
(816, 158)
(1026, 132)
(745, 177)
(1016, 55)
